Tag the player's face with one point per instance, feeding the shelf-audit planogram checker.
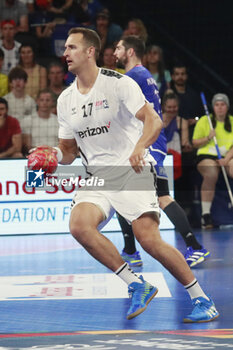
(171, 107)
(121, 54)
(220, 109)
(75, 53)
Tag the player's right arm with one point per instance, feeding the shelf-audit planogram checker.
(69, 150)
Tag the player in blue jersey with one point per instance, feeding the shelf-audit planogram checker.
(129, 52)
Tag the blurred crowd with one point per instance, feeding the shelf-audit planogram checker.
(33, 73)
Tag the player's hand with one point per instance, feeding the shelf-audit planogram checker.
(137, 159)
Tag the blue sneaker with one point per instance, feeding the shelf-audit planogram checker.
(141, 294)
(194, 257)
(204, 311)
(132, 259)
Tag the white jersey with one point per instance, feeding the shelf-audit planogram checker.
(102, 121)
(11, 57)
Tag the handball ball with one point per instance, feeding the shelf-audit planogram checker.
(43, 4)
(43, 158)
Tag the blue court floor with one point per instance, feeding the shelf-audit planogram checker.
(53, 295)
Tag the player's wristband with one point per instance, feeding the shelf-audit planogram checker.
(59, 154)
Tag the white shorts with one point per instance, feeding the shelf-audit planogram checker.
(131, 204)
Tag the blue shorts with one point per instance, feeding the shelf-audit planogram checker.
(159, 167)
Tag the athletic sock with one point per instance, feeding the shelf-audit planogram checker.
(195, 291)
(128, 235)
(179, 219)
(127, 274)
(205, 206)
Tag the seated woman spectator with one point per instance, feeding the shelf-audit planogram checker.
(37, 75)
(155, 64)
(135, 26)
(109, 60)
(4, 88)
(10, 133)
(207, 161)
(20, 104)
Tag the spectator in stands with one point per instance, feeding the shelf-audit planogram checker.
(56, 85)
(43, 24)
(207, 161)
(190, 108)
(10, 133)
(37, 75)
(4, 88)
(9, 45)
(135, 26)
(40, 128)
(16, 11)
(29, 4)
(109, 32)
(172, 126)
(60, 8)
(84, 11)
(19, 103)
(155, 64)
(109, 60)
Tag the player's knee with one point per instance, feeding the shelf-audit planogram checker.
(79, 230)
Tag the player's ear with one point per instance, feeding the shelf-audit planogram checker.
(130, 51)
(91, 51)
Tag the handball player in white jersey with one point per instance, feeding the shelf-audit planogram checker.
(105, 116)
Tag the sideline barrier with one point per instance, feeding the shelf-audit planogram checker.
(31, 211)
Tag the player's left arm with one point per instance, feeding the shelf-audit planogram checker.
(151, 130)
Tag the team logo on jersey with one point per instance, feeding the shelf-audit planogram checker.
(94, 131)
(101, 104)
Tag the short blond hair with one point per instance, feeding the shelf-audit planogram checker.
(90, 37)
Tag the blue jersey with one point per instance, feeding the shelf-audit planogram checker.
(149, 88)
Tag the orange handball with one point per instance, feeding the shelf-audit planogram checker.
(43, 158)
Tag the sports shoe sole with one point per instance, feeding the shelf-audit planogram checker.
(200, 260)
(187, 320)
(135, 264)
(139, 311)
